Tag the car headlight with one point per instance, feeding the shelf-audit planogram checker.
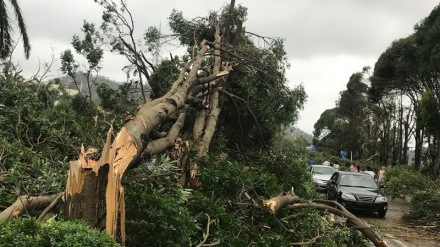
(348, 196)
(381, 199)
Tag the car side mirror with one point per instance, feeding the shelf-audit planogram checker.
(382, 186)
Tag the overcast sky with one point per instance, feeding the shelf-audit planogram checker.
(326, 40)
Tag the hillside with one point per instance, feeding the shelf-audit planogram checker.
(294, 132)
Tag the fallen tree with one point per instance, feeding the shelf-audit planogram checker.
(94, 192)
(291, 201)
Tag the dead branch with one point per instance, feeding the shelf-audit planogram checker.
(207, 234)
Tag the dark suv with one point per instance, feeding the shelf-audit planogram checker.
(357, 191)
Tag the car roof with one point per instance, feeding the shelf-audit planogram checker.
(322, 166)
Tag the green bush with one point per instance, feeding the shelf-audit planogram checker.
(28, 232)
(424, 204)
(156, 219)
(404, 182)
(155, 212)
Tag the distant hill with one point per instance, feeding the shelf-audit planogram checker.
(293, 132)
(68, 81)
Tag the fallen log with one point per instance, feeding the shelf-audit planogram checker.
(26, 203)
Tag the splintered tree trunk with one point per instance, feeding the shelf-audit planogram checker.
(94, 192)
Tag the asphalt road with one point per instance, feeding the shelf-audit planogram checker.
(394, 231)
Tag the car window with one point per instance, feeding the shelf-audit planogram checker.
(323, 170)
(334, 177)
(357, 181)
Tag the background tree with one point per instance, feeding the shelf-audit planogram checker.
(397, 74)
(89, 48)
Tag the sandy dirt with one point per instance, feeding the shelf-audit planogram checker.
(398, 233)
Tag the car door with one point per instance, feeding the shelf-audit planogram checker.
(332, 189)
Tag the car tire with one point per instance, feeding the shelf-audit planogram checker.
(382, 213)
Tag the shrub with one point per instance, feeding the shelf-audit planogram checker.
(154, 212)
(26, 232)
(403, 182)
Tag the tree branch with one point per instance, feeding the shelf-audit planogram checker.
(26, 203)
(50, 207)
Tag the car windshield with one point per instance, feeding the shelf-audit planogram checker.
(357, 181)
(326, 170)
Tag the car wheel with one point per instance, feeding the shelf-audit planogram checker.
(382, 213)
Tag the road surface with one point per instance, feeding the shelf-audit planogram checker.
(396, 232)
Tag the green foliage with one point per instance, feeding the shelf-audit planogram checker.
(68, 64)
(163, 77)
(258, 80)
(28, 232)
(157, 219)
(430, 113)
(221, 196)
(154, 207)
(89, 47)
(226, 179)
(423, 194)
(291, 173)
(41, 128)
(424, 207)
(118, 101)
(403, 181)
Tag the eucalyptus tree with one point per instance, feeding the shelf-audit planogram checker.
(327, 133)
(6, 30)
(343, 127)
(396, 74)
(427, 40)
